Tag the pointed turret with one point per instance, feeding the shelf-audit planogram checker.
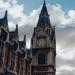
(44, 10)
(16, 30)
(6, 14)
(4, 22)
(6, 18)
(44, 17)
(25, 42)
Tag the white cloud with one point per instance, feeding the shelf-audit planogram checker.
(65, 42)
(57, 16)
(4, 5)
(16, 11)
(11, 26)
(65, 67)
(30, 19)
(71, 13)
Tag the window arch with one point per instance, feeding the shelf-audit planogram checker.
(41, 58)
(48, 30)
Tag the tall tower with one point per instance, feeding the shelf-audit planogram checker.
(43, 45)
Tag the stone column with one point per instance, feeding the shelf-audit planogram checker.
(6, 57)
(17, 62)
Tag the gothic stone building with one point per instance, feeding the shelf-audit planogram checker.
(15, 59)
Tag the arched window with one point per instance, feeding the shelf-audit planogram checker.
(41, 58)
(48, 30)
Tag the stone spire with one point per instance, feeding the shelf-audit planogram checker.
(6, 13)
(17, 28)
(44, 16)
(17, 34)
(44, 9)
(25, 42)
(5, 19)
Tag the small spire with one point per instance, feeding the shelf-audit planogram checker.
(25, 42)
(17, 27)
(6, 12)
(17, 31)
(24, 37)
(44, 16)
(44, 2)
(44, 9)
(5, 18)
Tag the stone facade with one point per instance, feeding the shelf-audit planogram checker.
(43, 46)
(13, 53)
(15, 59)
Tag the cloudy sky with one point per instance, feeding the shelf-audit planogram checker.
(25, 13)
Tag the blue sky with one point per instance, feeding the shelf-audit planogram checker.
(33, 4)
